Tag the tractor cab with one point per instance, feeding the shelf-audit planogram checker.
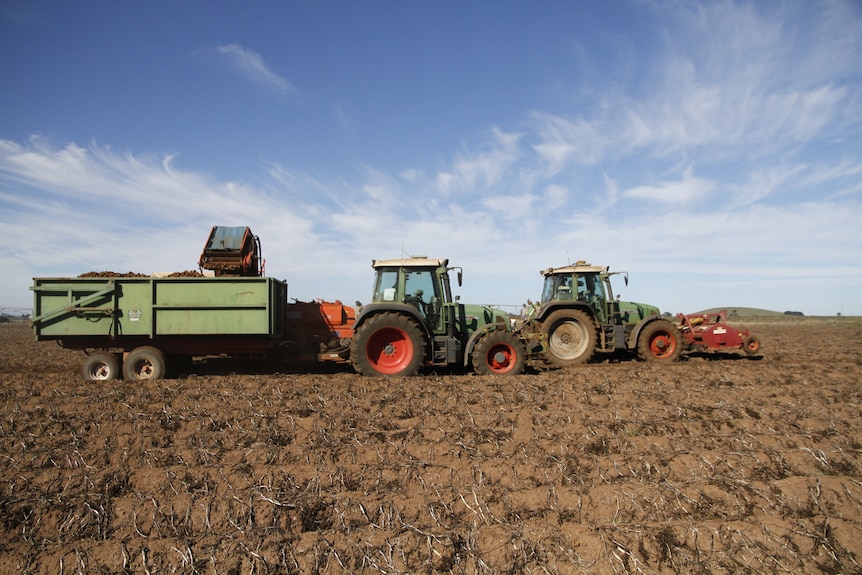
(422, 283)
(583, 285)
(589, 286)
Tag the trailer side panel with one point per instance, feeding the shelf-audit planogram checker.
(65, 308)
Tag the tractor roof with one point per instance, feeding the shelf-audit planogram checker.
(414, 262)
(580, 267)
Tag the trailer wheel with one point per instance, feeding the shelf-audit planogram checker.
(388, 344)
(101, 367)
(751, 345)
(660, 341)
(499, 353)
(571, 337)
(144, 363)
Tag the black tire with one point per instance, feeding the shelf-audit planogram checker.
(499, 353)
(101, 366)
(571, 337)
(751, 345)
(660, 342)
(388, 345)
(144, 363)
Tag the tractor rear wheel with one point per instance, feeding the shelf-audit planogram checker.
(499, 353)
(751, 345)
(144, 363)
(388, 344)
(660, 341)
(571, 337)
(101, 367)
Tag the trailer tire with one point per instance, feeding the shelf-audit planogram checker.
(751, 345)
(144, 363)
(388, 345)
(101, 366)
(660, 341)
(571, 337)
(499, 353)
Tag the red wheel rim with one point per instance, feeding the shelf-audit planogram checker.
(662, 344)
(501, 358)
(389, 350)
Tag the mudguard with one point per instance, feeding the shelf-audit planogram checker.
(400, 308)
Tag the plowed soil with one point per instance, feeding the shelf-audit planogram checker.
(716, 464)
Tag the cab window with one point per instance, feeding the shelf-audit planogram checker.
(420, 285)
(591, 288)
(557, 287)
(386, 286)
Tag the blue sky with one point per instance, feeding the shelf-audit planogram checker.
(711, 149)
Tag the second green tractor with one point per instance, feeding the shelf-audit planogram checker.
(578, 316)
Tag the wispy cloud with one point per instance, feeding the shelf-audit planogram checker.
(124, 206)
(482, 169)
(729, 81)
(686, 190)
(251, 65)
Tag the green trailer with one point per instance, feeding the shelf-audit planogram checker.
(130, 326)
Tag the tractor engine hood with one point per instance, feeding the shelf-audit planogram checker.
(478, 316)
(633, 312)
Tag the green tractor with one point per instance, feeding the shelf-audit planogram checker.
(414, 322)
(578, 316)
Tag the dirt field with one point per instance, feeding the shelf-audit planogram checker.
(713, 465)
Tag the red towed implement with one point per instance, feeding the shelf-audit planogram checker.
(711, 332)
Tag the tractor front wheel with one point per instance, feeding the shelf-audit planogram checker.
(144, 363)
(388, 345)
(499, 353)
(660, 341)
(571, 337)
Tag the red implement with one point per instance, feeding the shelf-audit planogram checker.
(710, 331)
